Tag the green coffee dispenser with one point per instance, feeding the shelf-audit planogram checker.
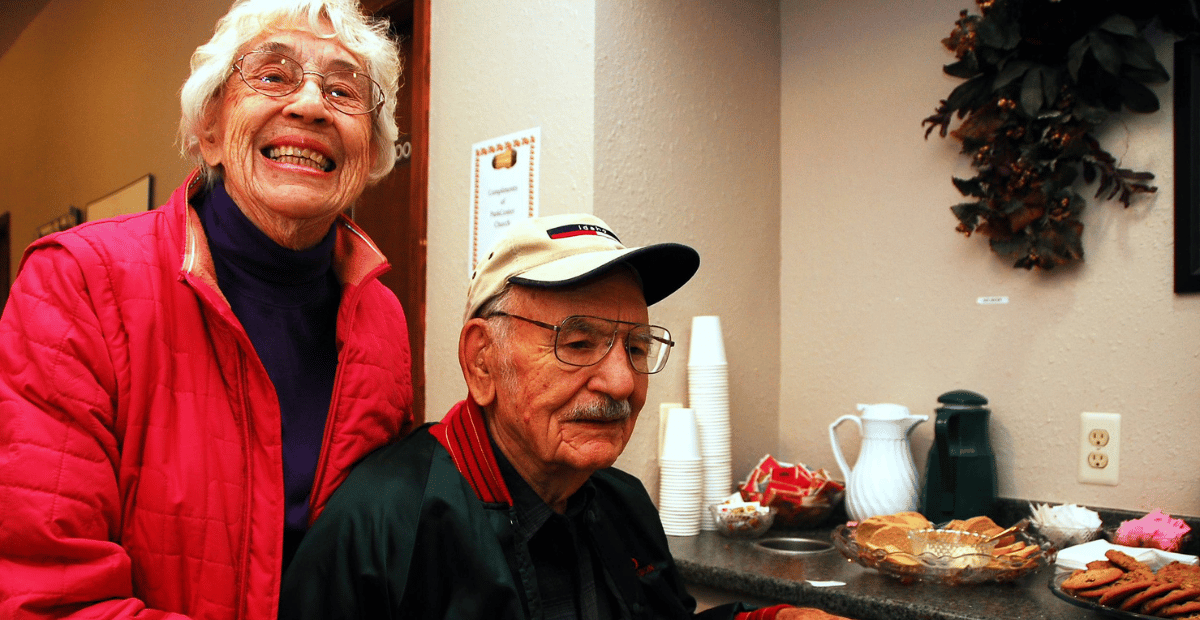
(960, 475)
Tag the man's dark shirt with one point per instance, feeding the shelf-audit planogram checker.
(562, 550)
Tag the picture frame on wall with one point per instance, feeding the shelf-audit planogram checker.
(72, 217)
(1187, 166)
(134, 197)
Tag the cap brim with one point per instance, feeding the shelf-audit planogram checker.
(662, 267)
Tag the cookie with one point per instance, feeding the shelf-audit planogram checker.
(957, 525)
(1135, 600)
(909, 520)
(1007, 549)
(1186, 574)
(1125, 561)
(1180, 609)
(1173, 597)
(982, 525)
(1100, 564)
(866, 530)
(1101, 590)
(890, 538)
(1119, 591)
(987, 527)
(1091, 578)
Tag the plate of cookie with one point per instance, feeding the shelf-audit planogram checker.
(1122, 586)
(886, 543)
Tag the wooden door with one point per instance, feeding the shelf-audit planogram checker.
(5, 266)
(393, 212)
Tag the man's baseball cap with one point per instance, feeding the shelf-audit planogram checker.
(564, 250)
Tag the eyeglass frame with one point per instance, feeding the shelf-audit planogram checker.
(557, 329)
(378, 97)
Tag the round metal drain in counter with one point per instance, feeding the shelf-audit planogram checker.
(792, 545)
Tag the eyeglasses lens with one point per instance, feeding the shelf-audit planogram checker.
(276, 75)
(583, 341)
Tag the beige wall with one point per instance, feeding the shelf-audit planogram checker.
(800, 172)
(879, 293)
(92, 103)
(498, 68)
(687, 150)
(678, 131)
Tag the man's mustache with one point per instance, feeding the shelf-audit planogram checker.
(607, 410)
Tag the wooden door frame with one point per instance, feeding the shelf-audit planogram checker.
(418, 198)
(5, 256)
(413, 257)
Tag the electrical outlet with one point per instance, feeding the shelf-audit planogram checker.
(1099, 448)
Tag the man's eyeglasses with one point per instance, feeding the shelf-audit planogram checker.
(275, 75)
(585, 340)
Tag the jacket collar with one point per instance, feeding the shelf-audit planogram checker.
(463, 434)
(355, 256)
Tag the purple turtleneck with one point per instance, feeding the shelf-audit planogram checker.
(287, 301)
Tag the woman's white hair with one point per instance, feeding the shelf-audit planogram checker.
(341, 20)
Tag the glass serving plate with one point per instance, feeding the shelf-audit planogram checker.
(958, 570)
(1111, 612)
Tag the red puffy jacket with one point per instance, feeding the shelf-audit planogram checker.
(140, 455)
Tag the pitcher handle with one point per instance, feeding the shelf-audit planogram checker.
(837, 447)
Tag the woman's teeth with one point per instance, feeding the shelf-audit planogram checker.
(300, 157)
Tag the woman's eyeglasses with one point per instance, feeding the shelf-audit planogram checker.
(275, 75)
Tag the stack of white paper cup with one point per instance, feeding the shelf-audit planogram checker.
(708, 396)
(681, 475)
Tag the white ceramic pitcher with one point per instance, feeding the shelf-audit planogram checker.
(884, 479)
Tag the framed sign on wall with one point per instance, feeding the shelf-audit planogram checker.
(72, 217)
(129, 199)
(1187, 166)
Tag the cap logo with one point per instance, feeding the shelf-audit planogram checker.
(574, 230)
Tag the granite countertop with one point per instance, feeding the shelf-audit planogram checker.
(737, 565)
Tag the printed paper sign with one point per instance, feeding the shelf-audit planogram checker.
(504, 188)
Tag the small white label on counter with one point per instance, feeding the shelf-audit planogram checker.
(826, 584)
(991, 301)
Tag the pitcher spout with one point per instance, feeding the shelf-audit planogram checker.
(914, 421)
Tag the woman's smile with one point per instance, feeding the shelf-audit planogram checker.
(297, 156)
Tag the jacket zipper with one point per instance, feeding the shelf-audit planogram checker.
(326, 440)
(248, 493)
(331, 418)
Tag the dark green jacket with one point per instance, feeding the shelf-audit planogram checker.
(424, 529)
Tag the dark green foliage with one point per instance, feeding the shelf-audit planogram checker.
(1041, 76)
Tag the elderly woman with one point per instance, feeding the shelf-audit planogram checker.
(182, 389)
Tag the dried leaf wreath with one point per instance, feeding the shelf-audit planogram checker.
(1041, 77)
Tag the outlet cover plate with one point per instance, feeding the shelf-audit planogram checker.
(1093, 452)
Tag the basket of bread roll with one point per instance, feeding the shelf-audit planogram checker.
(909, 547)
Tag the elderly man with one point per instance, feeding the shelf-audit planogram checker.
(509, 507)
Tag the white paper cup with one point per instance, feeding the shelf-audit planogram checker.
(681, 436)
(707, 346)
(681, 485)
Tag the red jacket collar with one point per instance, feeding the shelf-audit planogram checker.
(464, 435)
(356, 257)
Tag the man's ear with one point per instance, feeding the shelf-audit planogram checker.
(476, 358)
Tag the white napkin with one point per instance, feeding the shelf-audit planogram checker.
(1064, 516)
(1078, 556)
